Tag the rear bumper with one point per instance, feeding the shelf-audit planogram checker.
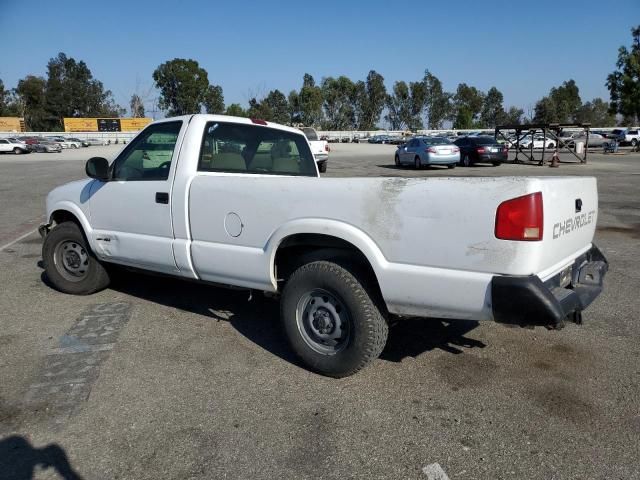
(527, 301)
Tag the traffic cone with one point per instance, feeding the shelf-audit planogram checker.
(555, 160)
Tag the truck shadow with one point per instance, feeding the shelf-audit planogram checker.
(258, 318)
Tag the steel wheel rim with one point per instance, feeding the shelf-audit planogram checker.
(323, 321)
(71, 260)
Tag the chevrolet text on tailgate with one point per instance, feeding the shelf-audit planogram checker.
(239, 202)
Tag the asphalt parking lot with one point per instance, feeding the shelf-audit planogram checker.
(187, 381)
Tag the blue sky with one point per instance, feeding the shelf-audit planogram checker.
(251, 47)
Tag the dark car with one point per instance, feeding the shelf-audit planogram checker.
(481, 149)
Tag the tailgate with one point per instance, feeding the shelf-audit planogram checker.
(570, 215)
(318, 147)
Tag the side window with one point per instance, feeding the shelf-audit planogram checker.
(241, 148)
(148, 156)
(3, 141)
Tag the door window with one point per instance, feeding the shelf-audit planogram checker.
(241, 148)
(148, 156)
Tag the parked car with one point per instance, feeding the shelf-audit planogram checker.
(421, 151)
(595, 139)
(481, 150)
(97, 141)
(83, 143)
(539, 141)
(319, 148)
(45, 146)
(341, 253)
(12, 146)
(74, 142)
(380, 139)
(632, 137)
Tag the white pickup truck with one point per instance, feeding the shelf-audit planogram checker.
(319, 148)
(239, 202)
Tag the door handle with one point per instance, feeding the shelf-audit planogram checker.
(162, 197)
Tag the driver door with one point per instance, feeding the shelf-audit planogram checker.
(131, 214)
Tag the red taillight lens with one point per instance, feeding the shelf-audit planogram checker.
(480, 149)
(259, 121)
(431, 150)
(520, 218)
(326, 147)
(456, 149)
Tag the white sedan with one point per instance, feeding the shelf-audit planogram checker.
(538, 142)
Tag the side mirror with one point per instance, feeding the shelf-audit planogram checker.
(98, 168)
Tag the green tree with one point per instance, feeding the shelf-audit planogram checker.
(597, 113)
(470, 99)
(214, 100)
(258, 109)
(464, 118)
(295, 115)
(492, 109)
(372, 100)
(513, 116)
(31, 91)
(310, 101)
(136, 106)
(545, 111)
(183, 86)
(624, 82)
(278, 106)
(235, 110)
(338, 103)
(4, 98)
(566, 99)
(438, 102)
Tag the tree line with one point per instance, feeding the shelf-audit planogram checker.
(334, 103)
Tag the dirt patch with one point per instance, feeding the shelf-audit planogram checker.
(563, 402)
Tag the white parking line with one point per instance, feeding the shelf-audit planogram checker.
(435, 472)
(21, 237)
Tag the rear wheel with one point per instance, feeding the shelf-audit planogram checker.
(451, 165)
(634, 142)
(397, 160)
(496, 164)
(331, 320)
(69, 263)
(551, 145)
(418, 165)
(17, 151)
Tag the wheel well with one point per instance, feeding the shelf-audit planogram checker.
(60, 216)
(300, 249)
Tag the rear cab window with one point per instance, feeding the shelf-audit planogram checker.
(253, 149)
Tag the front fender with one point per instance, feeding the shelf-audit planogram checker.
(67, 206)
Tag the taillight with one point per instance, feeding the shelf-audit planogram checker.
(520, 218)
(259, 121)
(431, 150)
(326, 147)
(456, 149)
(480, 149)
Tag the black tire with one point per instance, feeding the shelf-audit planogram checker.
(466, 161)
(451, 165)
(496, 164)
(322, 168)
(634, 142)
(418, 165)
(17, 151)
(397, 160)
(366, 329)
(72, 279)
(551, 145)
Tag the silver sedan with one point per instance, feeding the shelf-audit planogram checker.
(420, 151)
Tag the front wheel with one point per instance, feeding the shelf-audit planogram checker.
(634, 142)
(69, 263)
(397, 160)
(417, 163)
(17, 151)
(331, 320)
